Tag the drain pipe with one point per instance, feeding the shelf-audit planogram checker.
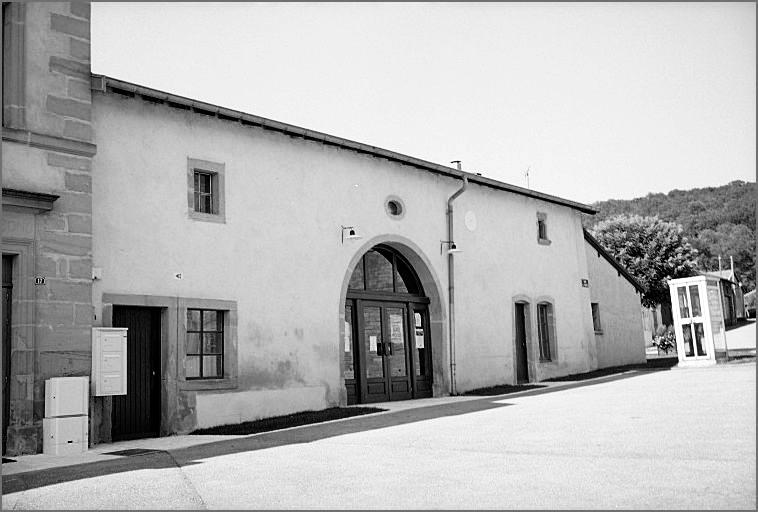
(451, 276)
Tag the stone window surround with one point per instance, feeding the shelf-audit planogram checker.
(542, 218)
(400, 203)
(552, 329)
(217, 171)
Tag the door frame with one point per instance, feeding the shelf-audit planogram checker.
(156, 405)
(705, 319)
(6, 348)
(22, 327)
(527, 339)
(384, 300)
(168, 340)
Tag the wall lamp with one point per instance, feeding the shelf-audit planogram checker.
(351, 235)
(453, 247)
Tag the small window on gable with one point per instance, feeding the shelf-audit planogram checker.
(542, 229)
(206, 190)
(596, 317)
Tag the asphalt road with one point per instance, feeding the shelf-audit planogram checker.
(674, 439)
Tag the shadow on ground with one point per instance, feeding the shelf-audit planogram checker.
(741, 322)
(176, 458)
(660, 363)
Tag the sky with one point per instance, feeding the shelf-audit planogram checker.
(596, 100)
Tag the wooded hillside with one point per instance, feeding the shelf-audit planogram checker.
(716, 221)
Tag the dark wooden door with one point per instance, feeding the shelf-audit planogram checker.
(7, 300)
(138, 413)
(384, 350)
(522, 368)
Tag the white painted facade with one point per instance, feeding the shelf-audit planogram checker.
(621, 339)
(98, 221)
(280, 257)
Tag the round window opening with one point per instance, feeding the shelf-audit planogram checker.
(394, 208)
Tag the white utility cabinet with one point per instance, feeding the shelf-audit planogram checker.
(65, 436)
(66, 396)
(65, 427)
(109, 360)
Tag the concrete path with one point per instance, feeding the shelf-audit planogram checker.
(742, 338)
(681, 438)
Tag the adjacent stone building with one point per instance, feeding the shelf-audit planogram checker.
(47, 154)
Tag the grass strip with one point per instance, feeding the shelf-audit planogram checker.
(502, 389)
(287, 421)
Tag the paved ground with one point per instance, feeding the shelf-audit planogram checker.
(616, 442)
(742, 338)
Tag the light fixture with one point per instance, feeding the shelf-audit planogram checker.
(351, 235)
(453, 247)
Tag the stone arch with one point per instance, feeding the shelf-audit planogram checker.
(433, 290)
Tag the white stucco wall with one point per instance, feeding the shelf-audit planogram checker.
(622, 340)
(280, 257)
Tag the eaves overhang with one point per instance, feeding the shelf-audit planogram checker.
(614, 263)
(106, 84)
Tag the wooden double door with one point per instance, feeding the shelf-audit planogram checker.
(387, 351)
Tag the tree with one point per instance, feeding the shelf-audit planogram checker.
(728, 240)
(651, 250)
(716, 220)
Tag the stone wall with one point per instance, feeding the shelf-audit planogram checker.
(48, 149)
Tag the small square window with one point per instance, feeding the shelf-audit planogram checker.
(205, 197)
(204, 192)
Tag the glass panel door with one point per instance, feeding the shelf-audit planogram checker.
(395, 352)
(372, 339)
(691, 318)
(421, 349)
(419, 343)
(347, 356)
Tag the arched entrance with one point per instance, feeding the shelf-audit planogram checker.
(388, 352)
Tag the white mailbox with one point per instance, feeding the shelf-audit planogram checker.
(66, 396)
(109, 360)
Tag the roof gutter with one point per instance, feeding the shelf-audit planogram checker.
(105, 84)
